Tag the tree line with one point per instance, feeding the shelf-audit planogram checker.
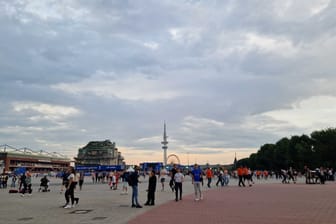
(314, 151)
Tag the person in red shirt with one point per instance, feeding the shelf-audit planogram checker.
(265, 174)
(240, 172)
(209, 175)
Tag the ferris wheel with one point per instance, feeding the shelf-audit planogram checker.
(173, 159)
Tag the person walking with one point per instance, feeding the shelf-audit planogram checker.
(70, 189)
(81, 180)
(196, 174)
(284, 176)
(178, 179)
(113, 181)
(209, 175)
(226, 178)
(250, 177)
(220, 174)
(23, 184)
(151, 189)
(14, 178)
(290, 173)
(163, 174)
(29, 182)
(133, 182)
(124, 177)
(245, 174)
(65, 180)
(26, 181)
(172, 174)
(240, 173)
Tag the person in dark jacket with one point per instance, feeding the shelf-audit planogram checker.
(23, 183)
(172, 174)
(44, 184)
(133, 182)
(151, 189)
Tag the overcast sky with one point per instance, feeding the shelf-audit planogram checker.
(226, 76)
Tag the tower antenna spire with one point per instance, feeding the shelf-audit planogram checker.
(235, 161)
(164, 144)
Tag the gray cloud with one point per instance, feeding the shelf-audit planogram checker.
(224, 75)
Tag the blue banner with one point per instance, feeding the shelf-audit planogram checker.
(100, 168)
(20, 170)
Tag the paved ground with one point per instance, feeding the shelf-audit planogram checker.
(261, 204)
(98, 204)
(265, 202)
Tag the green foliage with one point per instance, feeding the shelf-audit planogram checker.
(298, 151)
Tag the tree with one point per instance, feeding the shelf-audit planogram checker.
(325, 146)
(317, 150)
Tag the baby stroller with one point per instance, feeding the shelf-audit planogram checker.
(44, 185)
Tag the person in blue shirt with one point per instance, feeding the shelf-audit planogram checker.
(196, 181)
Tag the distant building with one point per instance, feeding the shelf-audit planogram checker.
(36, 161)
(99, 153)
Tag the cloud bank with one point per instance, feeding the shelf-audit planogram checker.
(226, 76)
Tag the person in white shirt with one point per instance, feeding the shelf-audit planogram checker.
(163, 174)
(70, 188)
(178, 178)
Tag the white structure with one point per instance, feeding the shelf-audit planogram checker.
(164, 145)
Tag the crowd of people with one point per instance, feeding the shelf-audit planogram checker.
(72, 181)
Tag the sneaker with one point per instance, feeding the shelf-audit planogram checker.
(196, 199)
(68, 206)
(72, 206)
(22, 195)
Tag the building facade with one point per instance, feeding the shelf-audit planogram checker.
(99, 153)
(35, 161)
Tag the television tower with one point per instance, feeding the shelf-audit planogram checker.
(164, 145)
